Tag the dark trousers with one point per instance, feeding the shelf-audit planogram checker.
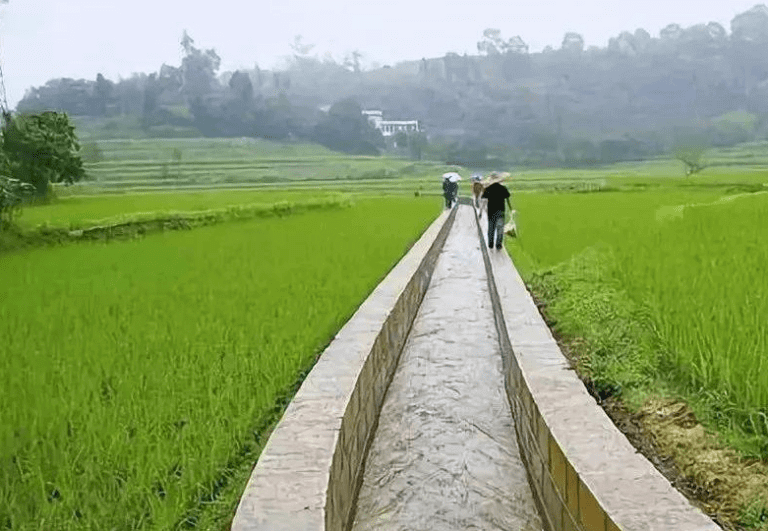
(496, 227)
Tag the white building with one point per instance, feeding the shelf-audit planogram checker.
(390, 127)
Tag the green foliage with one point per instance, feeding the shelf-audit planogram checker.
(618, 353)
(91, 152)
(692, 262)
(12, 195)
(734, 127)
(346, 129)
(42, 149)
(198, 70)
(136, 375)
(755, 516)
(691, 155)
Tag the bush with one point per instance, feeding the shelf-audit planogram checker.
(12, 195)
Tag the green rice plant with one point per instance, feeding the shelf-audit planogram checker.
(703, 272)
(82, 211)
(555, 226)
(134, 373)
(693, 261)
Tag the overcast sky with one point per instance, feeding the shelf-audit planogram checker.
(44, 39)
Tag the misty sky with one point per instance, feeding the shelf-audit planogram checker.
(44, 39)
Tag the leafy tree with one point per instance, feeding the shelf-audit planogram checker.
(42, 148)
(346, 129)
(130, 94)
(573, 43)
(74, 96)
(494, 44)
(689, 148)
(751, 26)
(102, 94)
(241, 87)
(198, 70)
(151, 94)
(671, 32)
(300, 48)
(352, 61)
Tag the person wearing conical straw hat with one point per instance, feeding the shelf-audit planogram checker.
(477, 189)
(496, 194)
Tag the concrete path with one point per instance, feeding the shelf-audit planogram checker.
(445, 455)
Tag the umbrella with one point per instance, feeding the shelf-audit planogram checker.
(452, 176)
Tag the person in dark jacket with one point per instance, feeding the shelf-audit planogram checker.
(496, 194)
(450, 190)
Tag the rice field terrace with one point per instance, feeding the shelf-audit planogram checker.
(198, 163)
(138, 375)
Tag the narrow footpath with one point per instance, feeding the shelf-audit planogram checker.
(445, 455)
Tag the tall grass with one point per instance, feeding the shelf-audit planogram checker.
(704, 273)
(695, 265)
(132, 372)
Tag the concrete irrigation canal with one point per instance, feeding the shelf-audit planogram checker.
(445, 404)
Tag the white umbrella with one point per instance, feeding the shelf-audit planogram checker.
(452, 176)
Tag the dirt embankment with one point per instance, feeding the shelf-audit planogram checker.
(731, 489)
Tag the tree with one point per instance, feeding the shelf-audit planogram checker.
(689, 148)
(198, 70)
(74, 96)
(573, 43)
(671, 32)
(241, 87)
(493, 44)
(751, 26)
(102, 94)
(42, 148)
(300, 48)
(346, 129)
(352, 61)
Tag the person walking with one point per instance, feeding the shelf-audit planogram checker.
(496, 194)
(477, 189)
(450, 188)
(448, 192)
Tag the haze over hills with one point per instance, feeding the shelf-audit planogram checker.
(634, 98)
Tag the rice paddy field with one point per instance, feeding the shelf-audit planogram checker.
(135, 165)
(135, 373)
(140, 377)
(689, 255)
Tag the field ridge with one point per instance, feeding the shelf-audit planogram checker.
(140, 223)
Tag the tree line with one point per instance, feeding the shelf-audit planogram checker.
(636, 97)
